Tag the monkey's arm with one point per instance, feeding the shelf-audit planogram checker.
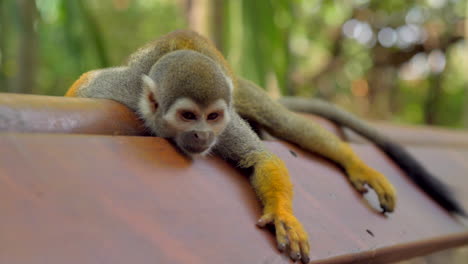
(270, 179)
(435, 188)
(253, 104)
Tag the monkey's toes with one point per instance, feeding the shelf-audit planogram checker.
(387, 202)
(361, 175)
(385, 192)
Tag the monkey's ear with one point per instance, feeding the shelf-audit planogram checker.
(150, 92)
(148, 83)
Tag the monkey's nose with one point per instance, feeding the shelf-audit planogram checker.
(202, 136)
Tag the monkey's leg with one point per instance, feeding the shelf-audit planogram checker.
(252, 103)
(271, 182)
(121, 84)
(438, 190)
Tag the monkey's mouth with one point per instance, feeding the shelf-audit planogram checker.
(196, 149)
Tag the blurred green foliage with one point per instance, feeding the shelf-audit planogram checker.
(403, 61)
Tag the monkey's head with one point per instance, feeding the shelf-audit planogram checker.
(186, 97)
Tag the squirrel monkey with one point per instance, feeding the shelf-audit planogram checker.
(184, 90)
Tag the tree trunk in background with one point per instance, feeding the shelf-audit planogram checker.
(207, 18)
(381, 82)
(287, 83)
(3, 47)
(217, 23)
(394, 100)
(96, 35)
(25, 77)
(433, 98)
(465, 108)
(197, 13)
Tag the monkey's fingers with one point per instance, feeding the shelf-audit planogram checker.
(305, 249)
(281, 236)
(290, 235)
(297, 237)
(359, 185)
(295, 252)
(265, 219)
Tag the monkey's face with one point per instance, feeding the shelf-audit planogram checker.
(186, 97)
(195, 128)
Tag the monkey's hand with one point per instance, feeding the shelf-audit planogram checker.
(360, 175)
(271, 182)
(290, 235)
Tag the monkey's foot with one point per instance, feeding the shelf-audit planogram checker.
(360, 174)
(290, 235)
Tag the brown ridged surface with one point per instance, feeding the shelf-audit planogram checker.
(115, 199)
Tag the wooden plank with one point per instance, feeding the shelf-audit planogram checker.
(114, 199)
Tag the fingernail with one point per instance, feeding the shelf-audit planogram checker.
(384, 208)
(295, 256)
(281, 247)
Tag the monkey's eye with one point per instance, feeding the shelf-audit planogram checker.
(189, 115)
(213, 116)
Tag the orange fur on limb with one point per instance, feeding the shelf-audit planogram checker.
(275, 190)
(84, 78)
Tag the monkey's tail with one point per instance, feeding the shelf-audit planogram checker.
(430, 184)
